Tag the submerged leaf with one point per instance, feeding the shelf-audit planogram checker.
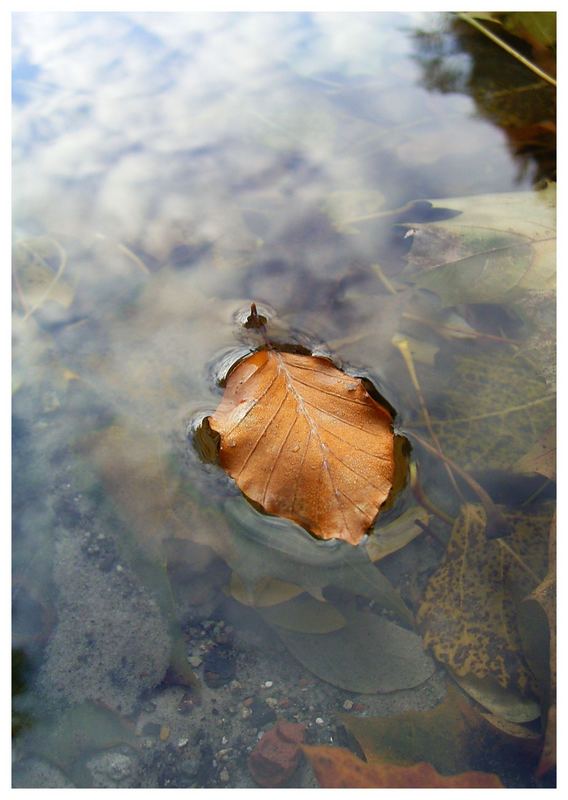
(368, 655)
(72, 737)
(389, 538)
(490, 409)
(264, 547)
(537, 625)
(307, 442)
(265, 592)
(338, 768)
(453, 736)
(468, 616)
(304, 614)
(500, 247)
(541, 457)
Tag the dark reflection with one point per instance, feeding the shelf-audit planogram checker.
(457, 58)
(21, 675)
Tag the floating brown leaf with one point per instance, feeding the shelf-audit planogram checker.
(336, 767)
(307, 442)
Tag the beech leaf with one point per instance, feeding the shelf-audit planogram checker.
(307, 442)
(336, 768)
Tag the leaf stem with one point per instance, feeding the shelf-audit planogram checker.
(404, 348)
(507, 47)
(496, 522)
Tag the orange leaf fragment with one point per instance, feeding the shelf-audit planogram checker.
(336, 768)
(307, 442)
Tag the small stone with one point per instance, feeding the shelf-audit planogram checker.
(348, 705)
(119, 568)
(272, 702)
(182, 742)
(248, 701)
(219, 666)
(195, 661)
(359, 707)
(319, 721)
(188, 702)
(284, 702)
(224, 775)
(268, 684)
(164, 733)
(224, 740)
(246, 713)
(235, 687)
(275, 758)
(111, 769)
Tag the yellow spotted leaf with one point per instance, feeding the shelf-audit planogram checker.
(468, 613)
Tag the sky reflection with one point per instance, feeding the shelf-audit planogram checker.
(133, 125)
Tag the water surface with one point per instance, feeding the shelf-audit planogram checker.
(168, 170)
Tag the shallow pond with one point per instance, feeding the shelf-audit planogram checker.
(381, 186)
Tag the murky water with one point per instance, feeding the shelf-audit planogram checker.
(168, 171)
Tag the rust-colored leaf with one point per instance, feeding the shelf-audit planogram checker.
(307, 442)
(336, 768)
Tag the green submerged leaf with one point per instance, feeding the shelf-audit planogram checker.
(262, 546)
(369, 654)
(304, 614)
(537, 27)
(69, 739)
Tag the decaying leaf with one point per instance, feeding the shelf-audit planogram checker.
(468, 614)
(541, 457)
(497, 249)
(263, 547)
(338, 768)
(453, 736)
(304, 614)
(490, 409)
(307, 442)
(537, 625)
(389, 538)
(265, 592)
(369, 654)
